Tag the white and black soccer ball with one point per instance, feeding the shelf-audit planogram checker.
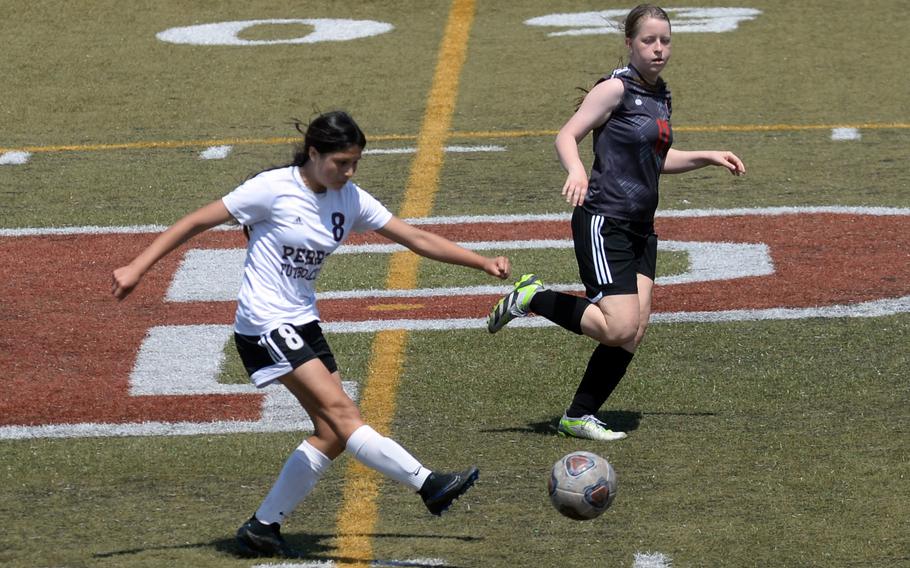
(582, 485)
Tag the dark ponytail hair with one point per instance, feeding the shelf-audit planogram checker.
(329, 132)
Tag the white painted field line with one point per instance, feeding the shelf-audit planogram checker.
(14, 158)
(97, 230)
(310, 564)
(472, 245)
(409, 563)
(453, 149)
(845, 134)
(457, 220)
(482, 148)
(129, 429)
(216, 152)
(280, 413)
(775, 211)
(874, 308)
(651, 560)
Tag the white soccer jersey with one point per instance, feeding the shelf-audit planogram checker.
(292, 231)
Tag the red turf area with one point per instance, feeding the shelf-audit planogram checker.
(67, 347)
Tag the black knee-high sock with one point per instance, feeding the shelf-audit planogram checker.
(564, 310)
(605, 369)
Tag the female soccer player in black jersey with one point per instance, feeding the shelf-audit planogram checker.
(613, 220)
(295, 217)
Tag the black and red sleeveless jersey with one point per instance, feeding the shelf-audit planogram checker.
(629, 151)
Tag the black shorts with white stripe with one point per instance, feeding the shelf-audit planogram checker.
(612, 252)
(278, 352)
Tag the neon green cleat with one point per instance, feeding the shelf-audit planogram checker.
(514, 304)
(587, 427)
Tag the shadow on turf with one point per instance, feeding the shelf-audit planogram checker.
(621, 420)
(311, 547)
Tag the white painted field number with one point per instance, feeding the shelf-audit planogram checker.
(684, 20)
(228, 33)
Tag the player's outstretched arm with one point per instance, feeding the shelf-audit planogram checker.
(679, 161)
(437, 247)
(127, 277)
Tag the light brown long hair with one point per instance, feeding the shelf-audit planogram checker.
(640, 13)
(630, 27)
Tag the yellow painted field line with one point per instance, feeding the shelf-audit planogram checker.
(147, 145)
(359, 512)
(455, 134)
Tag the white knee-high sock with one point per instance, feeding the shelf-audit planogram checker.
(297, 478)
(387, 457)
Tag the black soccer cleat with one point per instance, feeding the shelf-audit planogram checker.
(440, 490)
(256, 539)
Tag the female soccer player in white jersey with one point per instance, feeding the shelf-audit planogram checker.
(295, 216)
(613, 220)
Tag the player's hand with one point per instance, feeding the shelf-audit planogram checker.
(730, 161)
(575, 189)
(124, 280)
(500, 267)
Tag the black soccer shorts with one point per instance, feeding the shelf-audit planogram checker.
(611, 253)
(278, 352)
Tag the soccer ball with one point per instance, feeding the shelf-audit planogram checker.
(582, 485)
